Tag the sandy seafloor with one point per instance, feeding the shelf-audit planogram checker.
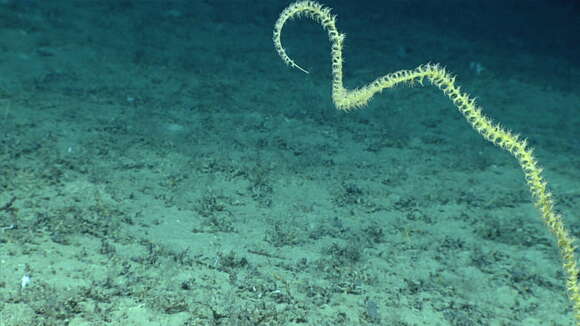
(159, 165)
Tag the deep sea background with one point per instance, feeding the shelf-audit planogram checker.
(160, 165)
